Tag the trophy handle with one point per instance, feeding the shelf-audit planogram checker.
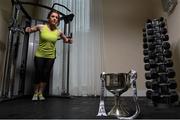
(133, 77)
(102, 111)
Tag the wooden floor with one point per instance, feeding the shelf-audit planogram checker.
(79, 108)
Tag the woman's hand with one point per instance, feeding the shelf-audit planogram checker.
(66, 39)
(28, 29)
(70, 40)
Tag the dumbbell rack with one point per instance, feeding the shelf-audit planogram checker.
(158, 63)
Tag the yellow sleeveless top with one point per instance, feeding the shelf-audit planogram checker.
(47, 40)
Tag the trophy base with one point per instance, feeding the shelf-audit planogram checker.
(118, 111)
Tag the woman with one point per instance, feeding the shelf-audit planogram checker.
(46, 51)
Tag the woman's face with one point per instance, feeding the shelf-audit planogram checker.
(53, 19)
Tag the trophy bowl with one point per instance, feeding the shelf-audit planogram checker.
(117, 83)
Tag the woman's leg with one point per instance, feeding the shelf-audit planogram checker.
(39, 63)
(46, 75)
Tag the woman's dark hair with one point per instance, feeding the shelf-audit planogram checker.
(54, 11)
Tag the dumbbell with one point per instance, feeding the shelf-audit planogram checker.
(164, 88)
(155, 97)
(151, 64)
(152, 55)
(144, 39)
(173, 96)
(153, 73)
(169, 63)
(149, 25)
(161, 19)
(147, 67)
(171, 73)
(149, 94)
(144, 29)
(163, 78)
(163, 31)
(158, 49)
(146, 52)
(152, 85)
(162, 24)
(167, 53)
(165, 99)
(146, 59)
(165, 37)
(166, 45)
(172, 84)
(150, 31)
(161, 68)
(151, 46)
(148, 21)
(148, 76)
(144, 34)
(158, 42)
(160, 58)
(145, 45)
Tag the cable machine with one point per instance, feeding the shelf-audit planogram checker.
(15, 68)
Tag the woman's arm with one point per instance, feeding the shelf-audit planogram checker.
(33, 28)
(65, 39)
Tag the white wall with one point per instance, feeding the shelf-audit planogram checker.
(123, 24)
(173, 22)
(5, 11)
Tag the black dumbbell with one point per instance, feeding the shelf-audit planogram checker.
(165, 37)
(161, 19)
(144, 29)
(160, 58)
(152, 63)
(148, 21)
(162, 24)
(161, 68)
(152, 85)
(151, 46)
(148, 76)
(149, 94)
(155, 97)
(152, 55)
(149, 25)
(163, 78)
(163, 31)
(167, 53)
(146, 59)
(166, 45)
(147, 67)
(169, 63)
(164, 89)
(173, 96)
(150, 31)
(171, 73)
(146, 52)
(153, 73)
(145, 45)
(144, 39)
(144, 34)
(158, 42)
(172, 84)
(165, 99)
(150, 38)
(159, 49)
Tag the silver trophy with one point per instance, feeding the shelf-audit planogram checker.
(118, 83)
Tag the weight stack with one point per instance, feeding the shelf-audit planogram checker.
(160, 75)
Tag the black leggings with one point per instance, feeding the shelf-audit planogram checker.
(43, 68)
